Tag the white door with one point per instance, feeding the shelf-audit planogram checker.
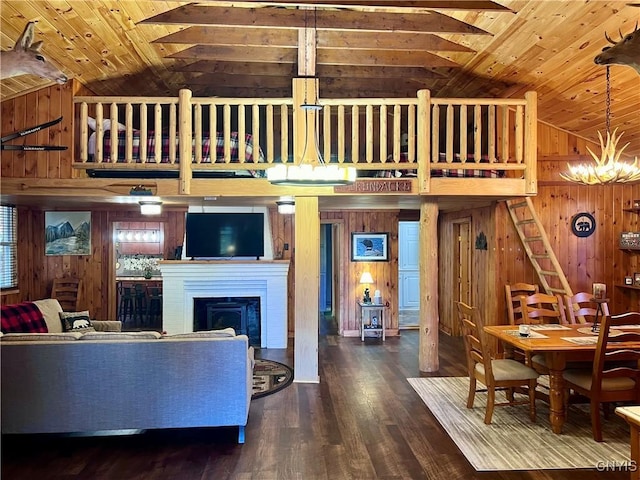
(408, 266)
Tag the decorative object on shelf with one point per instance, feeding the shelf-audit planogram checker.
(369, 247)
(67, 233)
(583, 224)
(140, 190)
(481, 241)
(636, 204)
(630, 240)
(628, 280)
(286, 205)
(366, 279)
(608, 168)
(599, 291)
(150, 207)
(636, 279)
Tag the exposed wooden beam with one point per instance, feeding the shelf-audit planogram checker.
(327, 71)
(426, 22)
(280, 37)
(239, 68)
(246, 54)
(329, 56)
(325, 56)
(254, 82)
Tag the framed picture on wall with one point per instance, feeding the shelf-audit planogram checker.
(369, 247)
(67, 233)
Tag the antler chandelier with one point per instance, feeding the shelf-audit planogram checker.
(608, 167)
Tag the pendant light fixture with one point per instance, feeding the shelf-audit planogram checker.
(308, 174)
(608, 168)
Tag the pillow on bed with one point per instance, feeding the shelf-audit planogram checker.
(106, 124)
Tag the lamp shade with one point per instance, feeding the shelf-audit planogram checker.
(366, 278)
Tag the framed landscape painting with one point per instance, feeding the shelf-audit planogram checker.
(369, 247)
(67, 233)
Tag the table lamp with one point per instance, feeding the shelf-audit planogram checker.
(366, 279)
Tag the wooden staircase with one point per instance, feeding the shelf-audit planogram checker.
(536, 244)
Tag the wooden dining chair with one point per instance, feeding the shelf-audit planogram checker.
(67, 291)
(542, 308)
(615, 376)
(581, 309)
(512, 298)
(493, 373)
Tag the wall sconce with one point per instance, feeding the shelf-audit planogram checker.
(150, 208)
(366, 279)
(286, 205)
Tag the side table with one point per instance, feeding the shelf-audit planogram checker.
(372, 319)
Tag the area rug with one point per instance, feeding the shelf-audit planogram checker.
(270, 377)
(512, 441)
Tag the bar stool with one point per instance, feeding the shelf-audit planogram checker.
(154, 304)
(140, 302)
(126, 303)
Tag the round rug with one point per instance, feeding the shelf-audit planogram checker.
(270, 377)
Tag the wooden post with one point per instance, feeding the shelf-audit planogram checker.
(531, 143)
(304, 91)
(184, 101)
(424, 140)
(307, 281)
(429, 320)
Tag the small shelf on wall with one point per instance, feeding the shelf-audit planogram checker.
(631, 210)
(631, 287)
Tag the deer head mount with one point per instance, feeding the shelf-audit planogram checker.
(624, 52)
(25, 58)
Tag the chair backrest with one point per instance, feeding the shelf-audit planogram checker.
(581, 309)
(614, 360)
(67, 291)
(512, 296)
(542, 308)
(476, 349)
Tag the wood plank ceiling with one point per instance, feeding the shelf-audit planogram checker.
(363, 48)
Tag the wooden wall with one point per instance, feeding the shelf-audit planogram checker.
(385, 274)
(28, 111)
(36, 270)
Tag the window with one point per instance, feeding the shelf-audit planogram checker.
(8, 247)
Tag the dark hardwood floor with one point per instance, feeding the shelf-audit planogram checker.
(362, 421)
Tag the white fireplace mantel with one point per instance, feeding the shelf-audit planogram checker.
(184, 281)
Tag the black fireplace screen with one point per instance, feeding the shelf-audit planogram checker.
(240, 313)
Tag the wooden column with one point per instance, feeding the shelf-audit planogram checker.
(184, 101)
(531, 142)
(305, 91)
(424, 141)
(429, 320)
(307, 282)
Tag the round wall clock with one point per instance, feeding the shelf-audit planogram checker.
(583, 224)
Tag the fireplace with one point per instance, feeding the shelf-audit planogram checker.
(240, 313)
(184, 281)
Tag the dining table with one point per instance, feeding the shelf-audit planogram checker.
(560, 344)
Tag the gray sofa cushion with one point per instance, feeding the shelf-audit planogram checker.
(150, 335)
(40, 337)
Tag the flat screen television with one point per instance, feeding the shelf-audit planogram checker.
(224, 235)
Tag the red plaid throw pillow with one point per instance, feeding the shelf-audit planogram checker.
(23, 317)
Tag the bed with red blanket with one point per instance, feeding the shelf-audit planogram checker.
(208, 154)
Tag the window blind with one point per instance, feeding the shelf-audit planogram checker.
(8, 247)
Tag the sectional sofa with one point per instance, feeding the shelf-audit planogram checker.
(63, 382)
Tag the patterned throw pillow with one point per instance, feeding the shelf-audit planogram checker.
(76, 321)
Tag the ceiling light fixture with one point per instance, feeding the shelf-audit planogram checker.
(286, 205)
(150, 207)
(608, 167)
(307, 174)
